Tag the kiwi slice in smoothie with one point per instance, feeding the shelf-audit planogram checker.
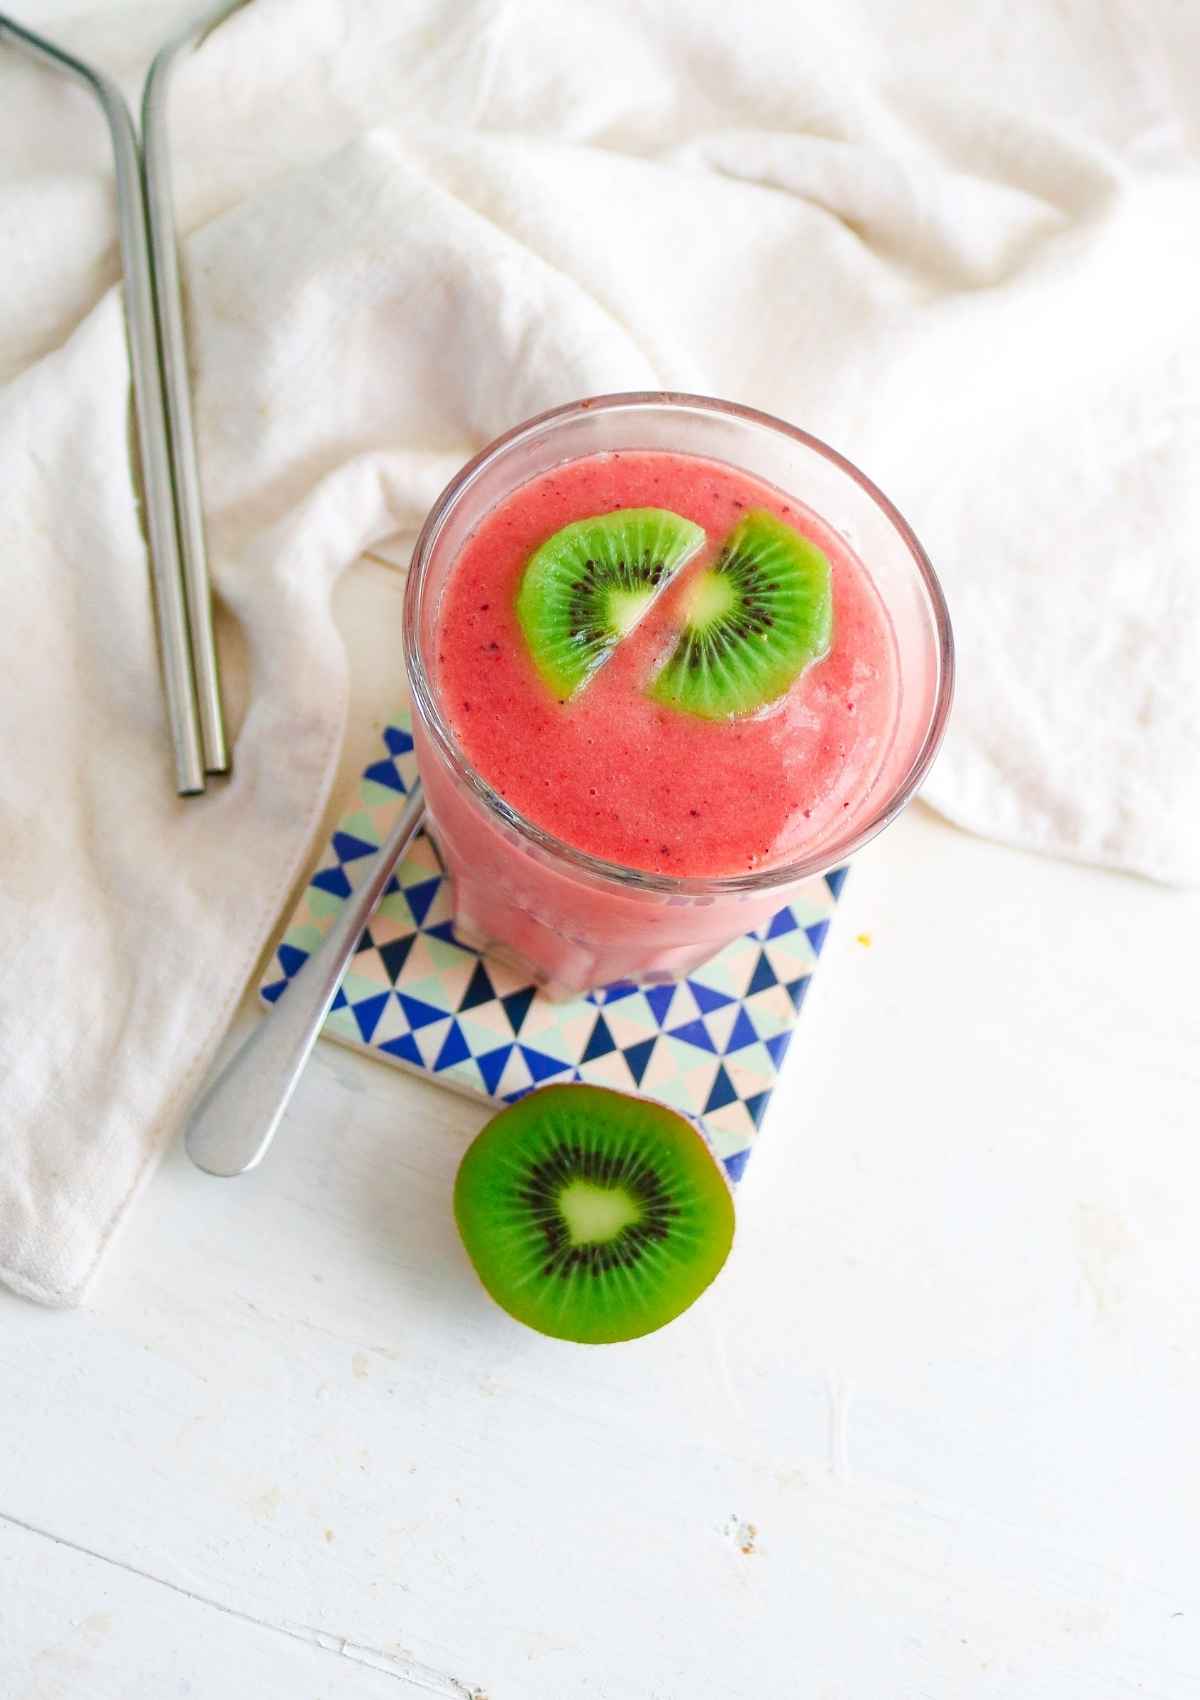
(754, 621)
(589, 585)
(591, 1215)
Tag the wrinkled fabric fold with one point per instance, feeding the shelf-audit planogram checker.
(969, 261)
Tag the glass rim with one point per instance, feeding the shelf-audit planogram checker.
(597, 867)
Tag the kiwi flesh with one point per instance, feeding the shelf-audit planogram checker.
(587, 586)
(591, 1215)
(755, 619)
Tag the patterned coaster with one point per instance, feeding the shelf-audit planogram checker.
(710, 1045)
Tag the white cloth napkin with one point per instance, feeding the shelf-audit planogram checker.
(964, 246)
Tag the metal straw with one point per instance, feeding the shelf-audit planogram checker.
(235, 1120)
(149, 405)
(160, 208)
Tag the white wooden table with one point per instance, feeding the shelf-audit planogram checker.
(933, 1434)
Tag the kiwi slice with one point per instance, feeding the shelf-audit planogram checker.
(755, 620)
(591, 1215)
(589, 584)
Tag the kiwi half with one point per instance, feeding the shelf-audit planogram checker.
(591, 1215)
(755, 620)
(589, 584)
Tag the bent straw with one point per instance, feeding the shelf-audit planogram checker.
(160, 212)
(149, 406)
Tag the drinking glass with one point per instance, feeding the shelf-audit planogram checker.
(572, 921)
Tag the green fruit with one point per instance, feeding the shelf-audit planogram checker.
(755, 620)
(592, 1215)
(589, 584)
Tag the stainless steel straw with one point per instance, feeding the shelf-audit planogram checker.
(149, 406)
(235, 1120)
(160, 208)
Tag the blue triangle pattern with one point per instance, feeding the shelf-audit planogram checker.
(420, 1013)
(367, 1013)
(777, 1046)
(600, 1042)
(348, 848)
(756, 1104)
(334, 881)
(637, 1056)
(835, 881)
(743, 1033)
(421, 896)
(816, 935)
(454, 1049)
(341, 1001)
(291, 960)
(404, 1046)
(592, 1040)
(735, 1166)
(516, 1006)
(540, 1066)
(394, 955)
(479, 989)
(694, 1033)
(491, 1066)
(386, 773)
(722, 1093)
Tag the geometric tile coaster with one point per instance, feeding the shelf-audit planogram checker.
(710, 1045)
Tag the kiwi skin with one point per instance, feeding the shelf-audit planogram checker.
(646, 1156)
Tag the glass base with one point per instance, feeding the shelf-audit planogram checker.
(590, 974)
(474, 939)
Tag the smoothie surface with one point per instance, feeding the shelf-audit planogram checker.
(630, 780)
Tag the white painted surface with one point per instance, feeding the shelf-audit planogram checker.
(933, 1434)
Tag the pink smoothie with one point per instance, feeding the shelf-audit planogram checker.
(627, 779)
